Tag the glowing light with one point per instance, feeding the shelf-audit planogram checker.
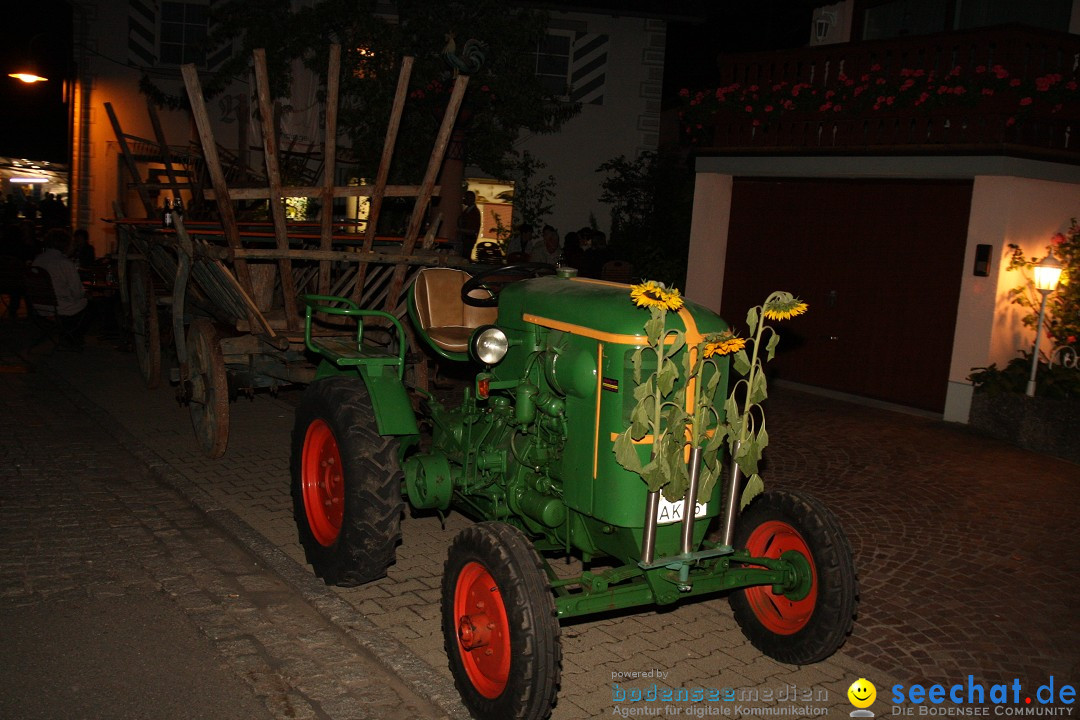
(28, 77)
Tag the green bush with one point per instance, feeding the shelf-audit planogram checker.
(1053, 382)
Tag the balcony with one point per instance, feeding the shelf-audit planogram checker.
(994, 91)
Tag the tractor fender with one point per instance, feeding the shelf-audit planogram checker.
(394, 414)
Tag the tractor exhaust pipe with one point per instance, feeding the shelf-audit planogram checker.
(731, 508)
(648, 533)
(689, 510)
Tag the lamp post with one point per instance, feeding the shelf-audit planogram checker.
(1047, 273)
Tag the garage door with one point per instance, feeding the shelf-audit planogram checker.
(879, 263)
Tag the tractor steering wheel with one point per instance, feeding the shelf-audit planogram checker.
(476, 282)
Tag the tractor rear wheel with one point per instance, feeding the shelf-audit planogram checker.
(346, 484)
(499, 624)
(810, 622)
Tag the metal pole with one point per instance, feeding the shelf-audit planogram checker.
(1038, 337)
(731, 507)
(690, 502)
(648, 533)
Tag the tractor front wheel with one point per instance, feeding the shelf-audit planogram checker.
(499, 624)
(346, 484)
(809, 621)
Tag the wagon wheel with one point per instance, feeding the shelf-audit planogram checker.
(500, 627)
(807, 622)
(209, 404)
(145, 330)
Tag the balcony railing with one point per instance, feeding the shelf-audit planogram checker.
(1008, 90)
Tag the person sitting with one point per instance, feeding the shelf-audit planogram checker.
(70, 296)
(548, 250)
(521, 245)
(82, 252)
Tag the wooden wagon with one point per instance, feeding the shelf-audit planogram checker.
(237, 295)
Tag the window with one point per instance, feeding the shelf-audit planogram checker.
(183, 33)
(551, 62)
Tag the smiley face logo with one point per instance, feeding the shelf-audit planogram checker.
(862, 693)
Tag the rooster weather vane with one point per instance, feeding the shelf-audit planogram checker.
(470, 59)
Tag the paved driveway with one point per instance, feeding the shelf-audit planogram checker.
(966, 551)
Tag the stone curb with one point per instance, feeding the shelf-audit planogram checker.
(384, 648)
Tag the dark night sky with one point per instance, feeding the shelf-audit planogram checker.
(33, 121)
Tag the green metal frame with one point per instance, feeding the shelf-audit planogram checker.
(631, 586)
(383, 373)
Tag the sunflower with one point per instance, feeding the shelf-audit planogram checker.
(724, 344)
(654, 294)
(783, 307)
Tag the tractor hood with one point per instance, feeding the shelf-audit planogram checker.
(592, 308)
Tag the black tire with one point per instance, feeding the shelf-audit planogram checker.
(797, 630)
(519, 679)
(335, 416)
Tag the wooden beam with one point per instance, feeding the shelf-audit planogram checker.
(129, 162)
(166, 156)
(326, 217)
(431, 258)
(380, 188)
(342, 191)
(273, 174)
(461, 82)
(217, 176)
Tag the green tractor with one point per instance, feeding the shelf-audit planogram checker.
(528, 454)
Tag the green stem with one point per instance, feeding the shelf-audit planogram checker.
(659, 349)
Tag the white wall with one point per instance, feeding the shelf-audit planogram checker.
(708, 239)
(626, 123)
(1013, 201)
(1004, 210)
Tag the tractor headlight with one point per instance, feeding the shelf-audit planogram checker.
(489, 345)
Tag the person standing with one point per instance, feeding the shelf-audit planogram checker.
(469, 224)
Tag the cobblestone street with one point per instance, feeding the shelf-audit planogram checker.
(964, 547)
(120, 598)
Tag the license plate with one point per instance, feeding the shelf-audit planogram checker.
(671, 512)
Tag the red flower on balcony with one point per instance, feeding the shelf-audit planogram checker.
(1010, 99)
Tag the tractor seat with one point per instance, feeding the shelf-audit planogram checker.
(445, 320)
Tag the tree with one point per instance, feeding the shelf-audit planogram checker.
(504, 96)
(651, 198)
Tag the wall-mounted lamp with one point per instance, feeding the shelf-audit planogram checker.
(1047, 274)
(824, 22)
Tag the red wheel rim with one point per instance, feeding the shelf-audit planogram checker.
(778, 613)
(482, 629)
(322, 483)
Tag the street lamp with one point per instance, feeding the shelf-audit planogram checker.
(1047, 273)
(27, 69)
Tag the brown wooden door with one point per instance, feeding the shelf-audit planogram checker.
(880, 264)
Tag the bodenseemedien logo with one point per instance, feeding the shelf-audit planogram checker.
(862, 694)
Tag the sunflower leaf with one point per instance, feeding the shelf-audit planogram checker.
(666, 378)
(759, 391)
(752, 320)
(742, 362)
(677, 345)
(771, 346)
(754, 487)
(626, 453)
(655, 326)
